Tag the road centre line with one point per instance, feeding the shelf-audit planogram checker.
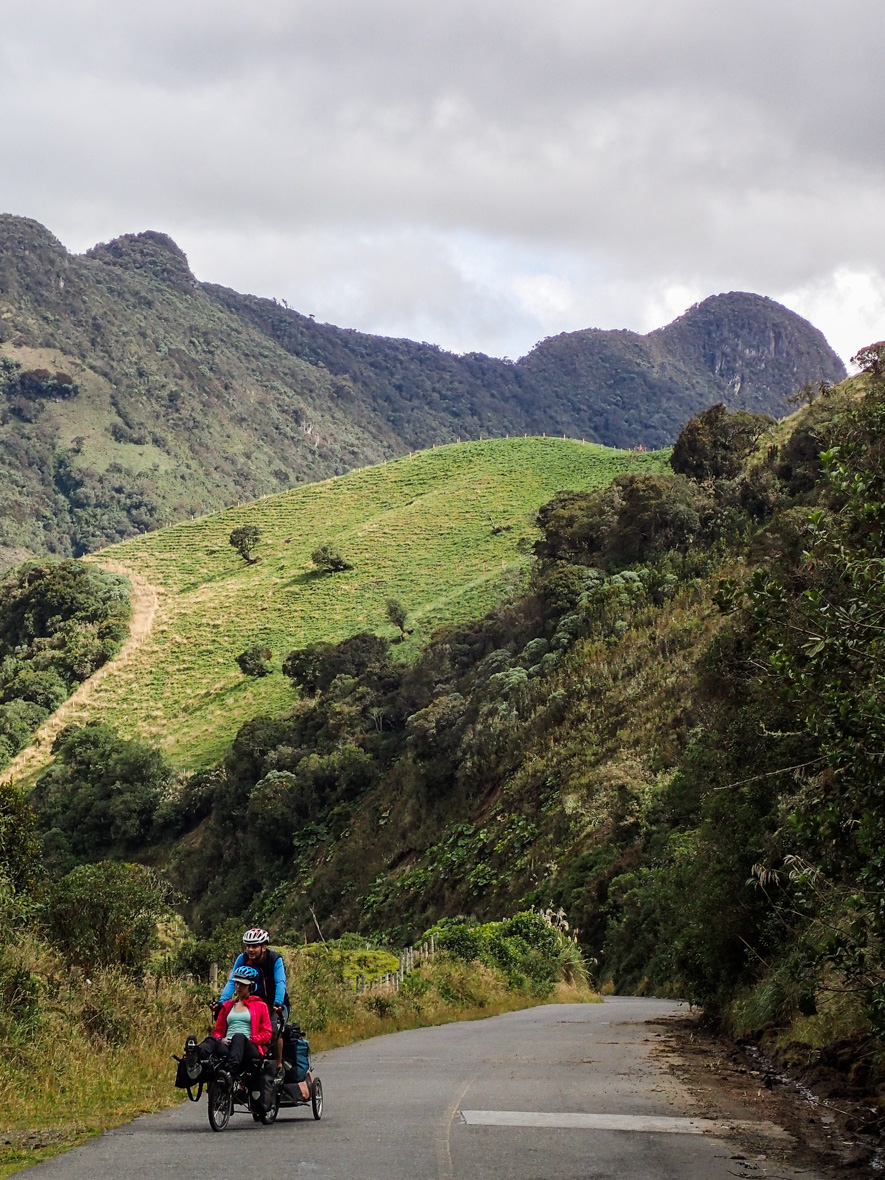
(660, 1124)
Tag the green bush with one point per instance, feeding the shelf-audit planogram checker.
(714, 443)
(329, 560)
(531, 950)
(106, 914)
(103, 791)
(255, 661)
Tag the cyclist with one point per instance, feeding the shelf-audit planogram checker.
(242, 1031)
(271, 988)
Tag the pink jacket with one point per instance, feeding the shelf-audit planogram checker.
(261, 1030)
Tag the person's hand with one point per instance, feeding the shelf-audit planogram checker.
(215, 1007)
(278, 1008)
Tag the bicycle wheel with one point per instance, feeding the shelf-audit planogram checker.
(316, 1098)
(220, 1097)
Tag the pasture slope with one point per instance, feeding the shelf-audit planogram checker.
(446, 531)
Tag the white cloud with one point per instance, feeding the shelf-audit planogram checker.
(480, 175)
(851, 303)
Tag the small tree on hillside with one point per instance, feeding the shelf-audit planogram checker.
(244, 539)
(397, 614)
(255, 661)
(328, 560)
(871, 359)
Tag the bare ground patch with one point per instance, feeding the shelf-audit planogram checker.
(733, 1081)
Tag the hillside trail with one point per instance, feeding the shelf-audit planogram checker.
(145, 600)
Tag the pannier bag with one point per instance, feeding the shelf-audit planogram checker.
(187, 1075)
(264, 1087)
(296, 1052)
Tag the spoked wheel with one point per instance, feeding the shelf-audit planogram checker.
(221, 1100)
(270, 1116)
(316, 1098)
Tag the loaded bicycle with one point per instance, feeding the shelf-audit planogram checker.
(259, 1090)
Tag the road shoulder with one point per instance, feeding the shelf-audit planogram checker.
(735, 1082)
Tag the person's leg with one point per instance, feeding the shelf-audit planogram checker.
(251, 1056)
(211, 1045)
(238, 1052)
(278, 1023)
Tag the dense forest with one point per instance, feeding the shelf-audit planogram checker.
(132, 395)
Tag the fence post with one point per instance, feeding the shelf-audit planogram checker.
(213, 975)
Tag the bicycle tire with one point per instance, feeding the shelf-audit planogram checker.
(220, 1098)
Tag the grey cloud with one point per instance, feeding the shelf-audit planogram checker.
(637, 148)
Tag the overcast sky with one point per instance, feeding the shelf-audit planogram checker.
(477, 174)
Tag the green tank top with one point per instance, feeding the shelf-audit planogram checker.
(239, 1022)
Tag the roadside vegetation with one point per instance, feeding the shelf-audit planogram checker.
(673, 735)
(89, 1026)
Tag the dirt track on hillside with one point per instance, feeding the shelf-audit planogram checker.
(145, 600)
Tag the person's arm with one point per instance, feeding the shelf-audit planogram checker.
(279, 978)
(221, 1023)
(228, 990)
(261, 1029)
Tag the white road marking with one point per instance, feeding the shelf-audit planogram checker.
(618, 1122)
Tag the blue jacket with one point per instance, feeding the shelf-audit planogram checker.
(272, 963)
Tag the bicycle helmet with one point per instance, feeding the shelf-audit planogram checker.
(246, 975)
(256, 937)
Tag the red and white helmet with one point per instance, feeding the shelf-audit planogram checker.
(256, 937)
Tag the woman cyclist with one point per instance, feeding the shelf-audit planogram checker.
(242, 1031)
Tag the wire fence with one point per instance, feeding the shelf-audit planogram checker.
(409, 958)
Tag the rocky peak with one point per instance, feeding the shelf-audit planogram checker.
(150, 251)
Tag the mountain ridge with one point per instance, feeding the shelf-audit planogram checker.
(187, 397)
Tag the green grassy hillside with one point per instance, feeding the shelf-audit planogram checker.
(419, 529)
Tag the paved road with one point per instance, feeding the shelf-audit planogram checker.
(566, 1092)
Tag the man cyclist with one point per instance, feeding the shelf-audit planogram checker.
(271, 984)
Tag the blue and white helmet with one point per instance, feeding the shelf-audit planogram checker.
(246, 975)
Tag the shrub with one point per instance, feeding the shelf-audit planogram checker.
(106, 914)
(714, 443)
(314, 667)
(397, 614)
(18, 720)
(255, 661)
(103, 790)
(329, 560)
(244, 539)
